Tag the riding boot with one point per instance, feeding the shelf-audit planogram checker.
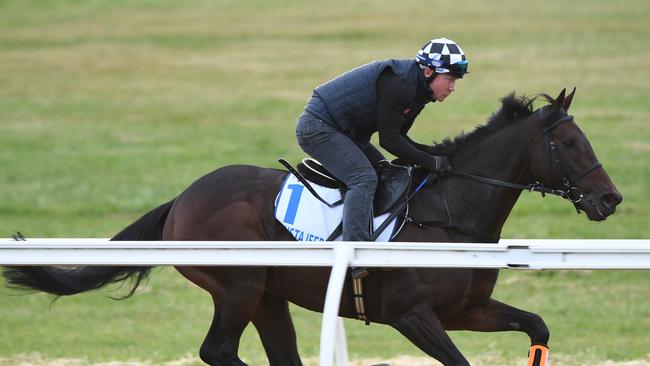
(358, 273)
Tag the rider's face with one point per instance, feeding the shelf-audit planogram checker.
(442, 85)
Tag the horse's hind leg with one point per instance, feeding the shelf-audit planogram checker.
(236, 294)
(273, 322)
(422, 327)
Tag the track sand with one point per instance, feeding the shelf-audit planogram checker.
(485, 360)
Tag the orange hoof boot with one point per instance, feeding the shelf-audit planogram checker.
(538, 355)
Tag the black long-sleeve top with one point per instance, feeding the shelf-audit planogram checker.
(395, 116)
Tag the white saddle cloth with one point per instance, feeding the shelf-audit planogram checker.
(308, 219)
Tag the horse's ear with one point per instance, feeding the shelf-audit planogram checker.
(569, 99)
(559, 101)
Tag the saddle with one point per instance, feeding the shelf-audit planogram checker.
(393, 183)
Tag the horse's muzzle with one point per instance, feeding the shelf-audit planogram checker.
(598, 206)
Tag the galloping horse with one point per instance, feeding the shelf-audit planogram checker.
(518, 146)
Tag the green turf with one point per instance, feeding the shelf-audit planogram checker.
(108, 109)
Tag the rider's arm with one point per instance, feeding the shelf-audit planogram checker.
(373, 155)
(393, 97)
(426, 148)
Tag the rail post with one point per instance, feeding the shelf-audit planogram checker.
(343, 255)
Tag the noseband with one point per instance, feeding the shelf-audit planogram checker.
(569, 192)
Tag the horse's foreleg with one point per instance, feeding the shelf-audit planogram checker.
(422, 327)
(495, 316)
(273, 322)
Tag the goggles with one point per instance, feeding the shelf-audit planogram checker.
(459, 68)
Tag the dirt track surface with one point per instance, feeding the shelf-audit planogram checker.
(557, 360)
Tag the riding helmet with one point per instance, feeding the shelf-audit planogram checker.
(443, 56)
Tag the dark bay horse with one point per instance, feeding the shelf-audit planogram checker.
(517, 145)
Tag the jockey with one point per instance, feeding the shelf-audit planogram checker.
(385, 97)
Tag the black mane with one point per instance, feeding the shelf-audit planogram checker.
(513, 109)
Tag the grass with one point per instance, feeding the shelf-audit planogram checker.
(592, 315)
(108, 109)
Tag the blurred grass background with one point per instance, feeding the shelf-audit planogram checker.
(108, 109)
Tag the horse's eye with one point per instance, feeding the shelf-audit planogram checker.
(569, 142)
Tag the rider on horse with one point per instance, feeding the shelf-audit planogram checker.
(384, 97)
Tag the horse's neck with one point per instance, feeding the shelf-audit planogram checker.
(483, 207)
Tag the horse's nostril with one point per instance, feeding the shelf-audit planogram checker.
(610, 200)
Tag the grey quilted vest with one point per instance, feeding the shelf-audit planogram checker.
(349, 102)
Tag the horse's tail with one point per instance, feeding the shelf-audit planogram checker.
(63, 282)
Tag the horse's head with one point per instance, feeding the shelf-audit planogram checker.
(562, 158)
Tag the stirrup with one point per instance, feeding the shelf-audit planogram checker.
(359, 272)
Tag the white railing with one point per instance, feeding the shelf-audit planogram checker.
(520, 254)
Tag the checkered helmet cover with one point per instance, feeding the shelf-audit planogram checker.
(440, 54)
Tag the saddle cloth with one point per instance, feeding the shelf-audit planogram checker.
(308, 219)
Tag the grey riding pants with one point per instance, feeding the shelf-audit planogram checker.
(351, 164)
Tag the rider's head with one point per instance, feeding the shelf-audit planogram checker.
(442, 61)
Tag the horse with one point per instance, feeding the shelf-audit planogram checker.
(518, 148)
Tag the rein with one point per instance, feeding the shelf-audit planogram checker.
(533, 187)
(570, 191)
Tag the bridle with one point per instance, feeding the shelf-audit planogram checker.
(569, 191)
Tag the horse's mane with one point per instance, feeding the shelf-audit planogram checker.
(513, 109)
